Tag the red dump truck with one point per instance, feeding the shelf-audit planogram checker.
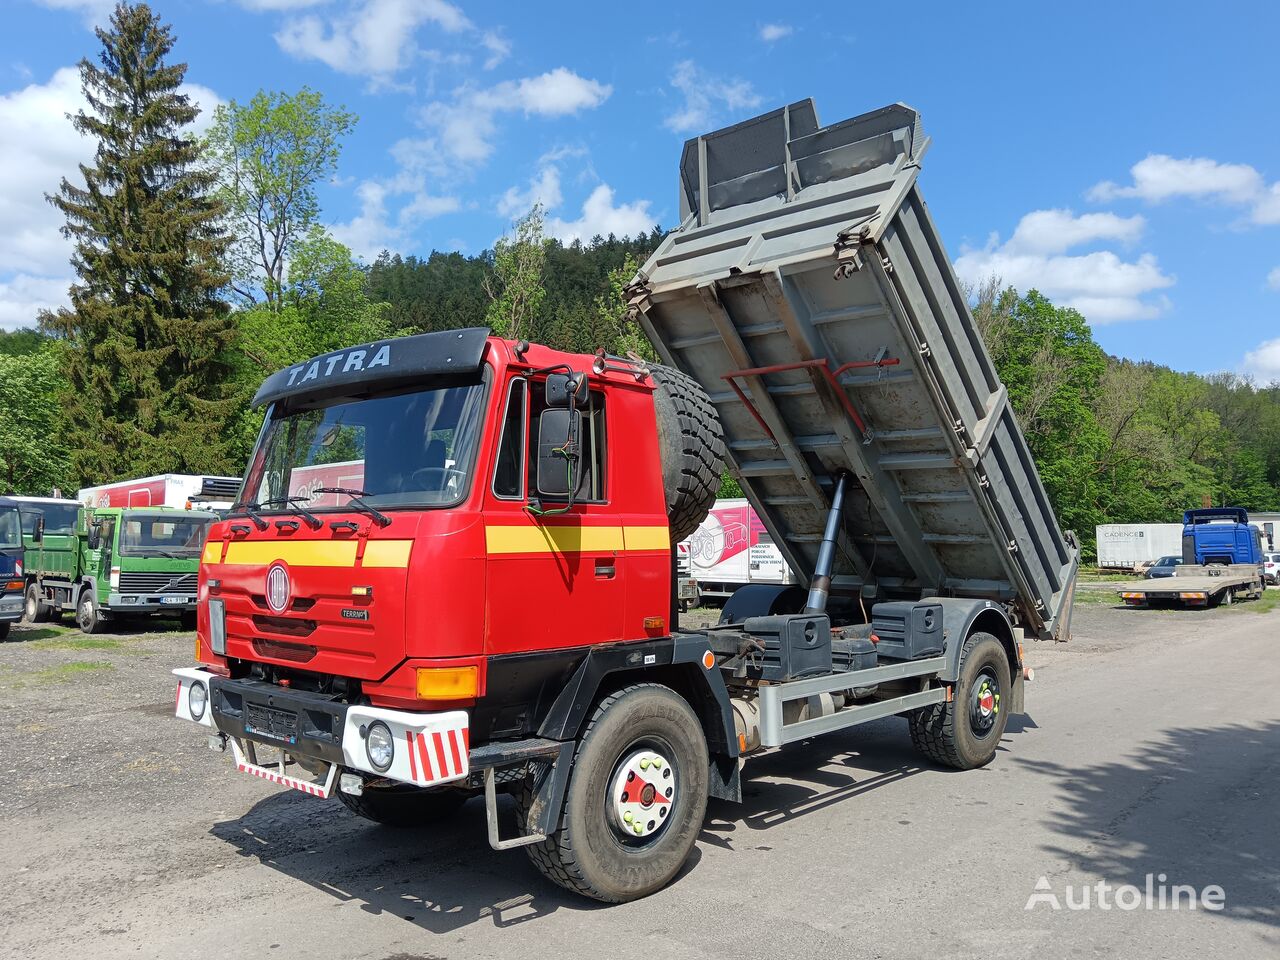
(483, 603)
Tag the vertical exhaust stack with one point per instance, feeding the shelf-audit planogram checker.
(820, 585)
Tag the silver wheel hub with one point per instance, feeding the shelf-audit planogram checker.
(642, 794)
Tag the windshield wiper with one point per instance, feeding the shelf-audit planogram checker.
(380, 518)
(314, 522)
(250, 510)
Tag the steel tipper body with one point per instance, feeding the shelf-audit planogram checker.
(808, 289)
(450, 568)
(116, 562)
(12, 580)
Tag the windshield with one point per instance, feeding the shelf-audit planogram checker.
(10, 529)
(157, 536)
(405, 449)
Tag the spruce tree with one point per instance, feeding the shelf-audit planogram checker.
(145, 337)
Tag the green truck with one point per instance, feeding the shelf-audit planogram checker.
(110, 562)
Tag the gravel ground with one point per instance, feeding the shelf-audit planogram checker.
(1152, 744)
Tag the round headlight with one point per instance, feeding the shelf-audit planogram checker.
(380, 746)
(197, 698)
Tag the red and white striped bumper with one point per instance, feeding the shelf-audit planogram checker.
(431, 748)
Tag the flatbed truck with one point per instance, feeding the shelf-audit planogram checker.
(484, 604)
(1197, 585)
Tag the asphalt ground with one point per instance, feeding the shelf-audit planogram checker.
(1151, 745)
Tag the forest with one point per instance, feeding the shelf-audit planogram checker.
(170, 328)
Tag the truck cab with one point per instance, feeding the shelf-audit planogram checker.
(1220, 535)
(117, 562)
(12, 583)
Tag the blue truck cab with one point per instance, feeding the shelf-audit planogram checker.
(1220, 535)
(12, 581)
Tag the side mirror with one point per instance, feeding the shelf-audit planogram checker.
(558, 462)
(37, 535)
(95, 535)
(561, 387)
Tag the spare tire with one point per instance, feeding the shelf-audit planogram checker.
(691, 445)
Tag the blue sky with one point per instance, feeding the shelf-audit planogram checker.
(1123, 157)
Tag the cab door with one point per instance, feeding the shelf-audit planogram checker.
(554, 578)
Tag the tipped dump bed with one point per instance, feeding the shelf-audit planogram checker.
(808, 290)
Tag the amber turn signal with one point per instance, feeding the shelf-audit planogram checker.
(654, 623)
(447, 683)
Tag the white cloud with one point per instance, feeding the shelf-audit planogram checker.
(705, 96)
(378, 38)
(467, 124)
(1100, 284)
(22, 297)
(772, 32)
(600, 216)
(40, 147)
(544, 189)
(276, 5)
(1273, 279)
(1263, 362)
(94, 11)
(1159, 177)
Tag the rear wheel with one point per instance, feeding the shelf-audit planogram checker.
(399, 806)
(88, 616)
(636, 798)
(965, 732)
(34, 610)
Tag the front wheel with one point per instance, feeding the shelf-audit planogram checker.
(965, 732)
(34, 610)
(636, 799)
(88, 615)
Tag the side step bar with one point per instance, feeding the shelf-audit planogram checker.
(548, 793)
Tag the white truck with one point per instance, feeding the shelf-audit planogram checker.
(731, 549)
(1134, 546)
(179, 490)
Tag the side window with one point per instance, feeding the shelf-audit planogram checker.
(508, 472)
(591, 445)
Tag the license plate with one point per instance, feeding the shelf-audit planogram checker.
(175, 599)
(281, 725)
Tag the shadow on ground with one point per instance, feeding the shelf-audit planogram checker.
(1201, 806)
(445, 878)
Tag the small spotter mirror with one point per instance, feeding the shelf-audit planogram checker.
(561, 387)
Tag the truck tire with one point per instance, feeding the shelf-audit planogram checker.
(691, 447)
(965, 733)
(4, 630)
(612, 846)
(89, 617)
(34, 610)
(404, 807)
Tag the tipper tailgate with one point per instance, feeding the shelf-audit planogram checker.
(808, 289)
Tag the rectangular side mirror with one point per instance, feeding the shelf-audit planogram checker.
(555, 429)
(95, 535)
(37, 535)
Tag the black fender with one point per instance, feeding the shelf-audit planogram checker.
(763, 600)
(961, 618)
(679, 662)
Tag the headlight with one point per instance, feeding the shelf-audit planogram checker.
(197, 699)
(380, 746)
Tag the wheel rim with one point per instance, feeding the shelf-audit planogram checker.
(31, 608)
(984, 703)
(643, 791)
(85, 613)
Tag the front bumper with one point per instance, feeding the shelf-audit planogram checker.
(150, 603)
(431, 748)
(11, 608)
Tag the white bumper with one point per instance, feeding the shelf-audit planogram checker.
(431, 748)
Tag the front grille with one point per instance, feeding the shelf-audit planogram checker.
(132, 582)
(219, 488)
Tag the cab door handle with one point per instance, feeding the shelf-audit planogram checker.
(606, 569)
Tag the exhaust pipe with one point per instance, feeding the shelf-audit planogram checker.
(820, 585)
